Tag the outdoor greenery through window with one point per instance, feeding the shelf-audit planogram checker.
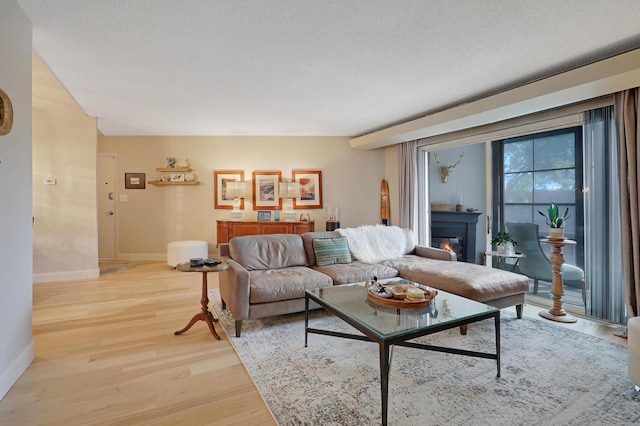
(534, 170)
(537, 170)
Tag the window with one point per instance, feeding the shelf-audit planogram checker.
(534, 170)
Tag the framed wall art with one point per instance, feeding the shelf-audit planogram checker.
(134, 181)
(310, 189)
(220, 180)
(265, 190)
(264, 215)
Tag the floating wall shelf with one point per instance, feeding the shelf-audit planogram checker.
(173, 170)
(161, 183)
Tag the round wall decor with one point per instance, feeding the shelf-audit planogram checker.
(6, 113)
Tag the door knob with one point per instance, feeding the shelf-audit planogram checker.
(109, 213)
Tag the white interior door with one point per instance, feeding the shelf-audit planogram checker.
(106, 206)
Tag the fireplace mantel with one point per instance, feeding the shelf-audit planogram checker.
(457, 224)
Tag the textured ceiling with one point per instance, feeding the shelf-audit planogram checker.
(304, 67)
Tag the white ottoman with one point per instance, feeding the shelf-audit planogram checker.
(633, 341)
(182, 251)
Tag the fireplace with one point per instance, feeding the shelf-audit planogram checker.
(456, 232)
(453, 244)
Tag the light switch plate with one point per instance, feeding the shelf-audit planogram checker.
(123, 197)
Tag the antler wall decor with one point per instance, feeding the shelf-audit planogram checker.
(445, 171)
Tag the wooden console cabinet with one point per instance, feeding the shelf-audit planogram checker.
(228, 229)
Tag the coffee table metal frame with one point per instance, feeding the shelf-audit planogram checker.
(386, 341)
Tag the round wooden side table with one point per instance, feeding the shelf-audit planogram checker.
(557, 312)
(204, 314)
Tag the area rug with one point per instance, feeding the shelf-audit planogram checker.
(550, 375)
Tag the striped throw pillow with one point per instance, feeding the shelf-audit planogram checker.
(330, 251)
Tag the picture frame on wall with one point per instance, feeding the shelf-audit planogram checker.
(220, 180)
(134, 181)
(310, 189)
(265, 190)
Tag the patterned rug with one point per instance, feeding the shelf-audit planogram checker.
(550, 375)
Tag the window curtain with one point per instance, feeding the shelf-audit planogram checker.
(626, 106)
(408, 184)
(602, 249)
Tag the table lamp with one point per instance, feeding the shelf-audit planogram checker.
(288, 191)
(237, 191)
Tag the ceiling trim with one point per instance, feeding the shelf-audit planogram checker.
(591, 81)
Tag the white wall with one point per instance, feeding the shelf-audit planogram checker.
(152, 217)
(17, 348)
(466, 180)
(65, 231)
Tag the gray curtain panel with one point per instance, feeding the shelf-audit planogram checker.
(408, 184)
(626, 105)
(603, 252)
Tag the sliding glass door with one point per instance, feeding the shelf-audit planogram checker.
(529, 173)
(574, 168)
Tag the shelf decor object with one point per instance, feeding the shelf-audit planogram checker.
(264, 215)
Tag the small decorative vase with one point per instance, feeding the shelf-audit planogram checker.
(556, 233)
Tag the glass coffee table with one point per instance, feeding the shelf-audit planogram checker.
(389, 326)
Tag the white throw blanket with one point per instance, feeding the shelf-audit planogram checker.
(373, 243)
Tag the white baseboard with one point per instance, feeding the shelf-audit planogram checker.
(141, 257)
(15, 370)
(47, 277)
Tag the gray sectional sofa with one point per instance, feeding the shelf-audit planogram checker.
(268, 274)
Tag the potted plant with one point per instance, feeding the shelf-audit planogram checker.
(503, 241)
(555, 220)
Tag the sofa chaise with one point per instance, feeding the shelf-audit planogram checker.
(268, 274)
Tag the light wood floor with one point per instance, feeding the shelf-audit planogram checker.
(106, 354)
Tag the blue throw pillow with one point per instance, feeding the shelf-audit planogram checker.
(329, 251)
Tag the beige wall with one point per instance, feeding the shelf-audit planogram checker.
(17, 348)
(152, 217)
(64, 148)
